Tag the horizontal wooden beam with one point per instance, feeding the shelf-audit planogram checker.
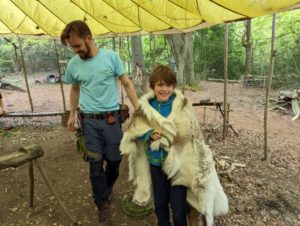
(33, 114)
(208, 104)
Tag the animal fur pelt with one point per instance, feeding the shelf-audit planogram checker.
(189, 161)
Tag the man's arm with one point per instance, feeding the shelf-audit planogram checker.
(74, 98)
(130, 90)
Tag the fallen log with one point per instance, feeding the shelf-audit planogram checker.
(222, 80)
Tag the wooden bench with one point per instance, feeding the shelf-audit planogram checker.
(30, 154)
(218, 105)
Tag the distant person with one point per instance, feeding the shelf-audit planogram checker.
(1, 105)
(167, 155)
(93, 73)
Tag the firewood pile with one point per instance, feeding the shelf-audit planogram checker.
(286, 102)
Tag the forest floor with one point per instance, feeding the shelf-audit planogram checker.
(260, 192)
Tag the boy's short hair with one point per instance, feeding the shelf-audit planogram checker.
(79, 27)
(162, 73)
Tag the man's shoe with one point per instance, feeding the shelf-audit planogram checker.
(103, 212)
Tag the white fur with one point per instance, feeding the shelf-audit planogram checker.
(189, 161)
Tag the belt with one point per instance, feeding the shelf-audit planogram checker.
(102, 115)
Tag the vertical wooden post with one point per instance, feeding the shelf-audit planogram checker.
(121, 86)
(31, 183)
(185, 45)
(227, 122)
(130, 71)
(25, 75)
(204, 115)
(154, 51)
(225, 80)
(114, 43)
(268, 87)
(59, 74)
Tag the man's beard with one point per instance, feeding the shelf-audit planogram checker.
(87, 54)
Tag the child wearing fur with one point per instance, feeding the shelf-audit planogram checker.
(167, 155)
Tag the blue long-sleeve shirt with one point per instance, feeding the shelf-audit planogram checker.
(156, 157)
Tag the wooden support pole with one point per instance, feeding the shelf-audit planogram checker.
(154, 51)
(268, 87)
(48, 183)
(113, 43)
(59, 74)
(204, 115)
(130, 72)
(25, 75)
(225, 80)
(185, 45)
(31, 183)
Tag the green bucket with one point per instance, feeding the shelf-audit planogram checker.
(134, 210)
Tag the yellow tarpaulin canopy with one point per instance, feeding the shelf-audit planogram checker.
(128, 17)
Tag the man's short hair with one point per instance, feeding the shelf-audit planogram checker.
(78, 27)
(162, 73)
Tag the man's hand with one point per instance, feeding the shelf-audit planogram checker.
(71, 124)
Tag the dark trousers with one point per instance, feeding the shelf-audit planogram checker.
(102, 178)
(103, 138)
(165, 194)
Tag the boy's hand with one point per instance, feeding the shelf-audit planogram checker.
(155, 135)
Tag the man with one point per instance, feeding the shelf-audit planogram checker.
(92, 73)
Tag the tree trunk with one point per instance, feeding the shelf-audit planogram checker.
(138, 58)
(190, 61)
(178, 46)
(247, 43)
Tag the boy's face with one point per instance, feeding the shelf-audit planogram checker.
(163, 91)
(81, 46)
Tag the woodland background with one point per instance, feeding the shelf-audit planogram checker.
(249, 51)
(261, 193)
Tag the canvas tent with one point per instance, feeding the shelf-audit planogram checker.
(128, 17)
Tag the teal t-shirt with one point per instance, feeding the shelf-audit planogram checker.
(157, 157)
(97, 78)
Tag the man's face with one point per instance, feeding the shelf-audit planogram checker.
(81, 46)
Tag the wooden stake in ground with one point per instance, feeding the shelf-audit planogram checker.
(60, 77)
(268, 87)
(25, 75)
(225, 127)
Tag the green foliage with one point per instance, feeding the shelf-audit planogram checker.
(161, 53)
(208, 50)
(8, 133)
